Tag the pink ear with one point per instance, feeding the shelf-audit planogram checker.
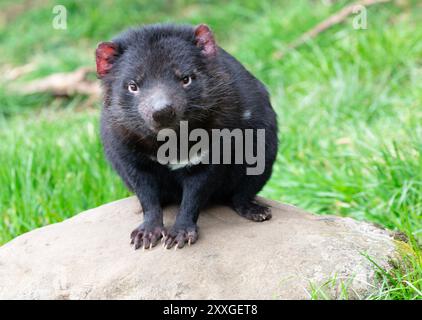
(104, 55)
(205, 40)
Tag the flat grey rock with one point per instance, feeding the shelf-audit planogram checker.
(89, 257)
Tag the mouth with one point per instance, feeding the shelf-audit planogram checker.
(155, 129)
(171, 124)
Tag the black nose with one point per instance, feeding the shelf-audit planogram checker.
(164, 115)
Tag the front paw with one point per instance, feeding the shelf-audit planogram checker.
(147, 235)
(180, 235)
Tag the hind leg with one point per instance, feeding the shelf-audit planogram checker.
(251, 210)
(249, 184)
(243, 199)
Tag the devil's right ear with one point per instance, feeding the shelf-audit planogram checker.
(105, 56)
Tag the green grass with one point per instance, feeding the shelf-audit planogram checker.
(349, 106)
(50, 169)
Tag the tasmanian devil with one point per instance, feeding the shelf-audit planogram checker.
(155, 77)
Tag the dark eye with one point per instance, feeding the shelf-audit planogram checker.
(186, 80)
(132, 87)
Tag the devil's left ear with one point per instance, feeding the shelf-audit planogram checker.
(105, 55)
(205, 40)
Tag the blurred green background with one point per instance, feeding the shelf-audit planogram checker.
(349, 104)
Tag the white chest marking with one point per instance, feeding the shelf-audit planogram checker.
(196, 159)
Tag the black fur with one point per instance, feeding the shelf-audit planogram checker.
(220, 92)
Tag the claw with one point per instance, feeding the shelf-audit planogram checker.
(146, 238)
(179, 238)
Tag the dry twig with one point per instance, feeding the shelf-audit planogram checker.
(339, 17)
(65, 84)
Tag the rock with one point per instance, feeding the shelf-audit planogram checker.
(89, 257)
